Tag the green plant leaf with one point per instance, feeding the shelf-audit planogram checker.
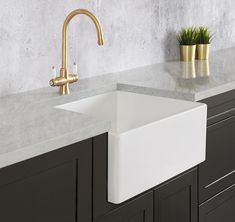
(204, 36)
(188, 36)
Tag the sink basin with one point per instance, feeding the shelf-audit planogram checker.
(152, 139)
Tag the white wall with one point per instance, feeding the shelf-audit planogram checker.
(137, 33)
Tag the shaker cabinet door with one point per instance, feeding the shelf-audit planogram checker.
(218, 171)
(53, 187)
(176, 201)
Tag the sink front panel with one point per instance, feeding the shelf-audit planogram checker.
(148, 156)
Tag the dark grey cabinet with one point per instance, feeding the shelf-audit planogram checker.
(138, 210)
(220, 208)
(177, 200)
(218, 171)
(56, 186)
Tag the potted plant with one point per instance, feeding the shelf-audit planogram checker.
(204, 38)
(187, 39)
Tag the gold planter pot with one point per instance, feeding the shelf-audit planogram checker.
(187, 53)
(203, 51)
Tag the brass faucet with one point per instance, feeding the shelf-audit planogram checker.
(65, 79)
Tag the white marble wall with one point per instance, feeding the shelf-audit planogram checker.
(137, 33)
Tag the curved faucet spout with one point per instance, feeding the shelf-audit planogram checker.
(64, 35)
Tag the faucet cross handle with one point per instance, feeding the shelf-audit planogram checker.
(63, 80)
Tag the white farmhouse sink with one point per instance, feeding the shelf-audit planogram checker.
(152, 139)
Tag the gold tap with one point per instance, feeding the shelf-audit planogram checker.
(65, 79)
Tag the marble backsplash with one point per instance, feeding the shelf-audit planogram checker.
(137, 33)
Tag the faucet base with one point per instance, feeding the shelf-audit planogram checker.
(64, 89)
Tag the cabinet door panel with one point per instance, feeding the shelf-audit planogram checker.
(177, 200)
(138, 210)
(220, 208)
(218, 171)
(52, 187)
(47, 196)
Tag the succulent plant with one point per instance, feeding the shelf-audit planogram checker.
(204, 36)
(188, 36)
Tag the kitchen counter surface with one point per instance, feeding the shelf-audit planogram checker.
(31, 126)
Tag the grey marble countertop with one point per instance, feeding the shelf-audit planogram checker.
(31, 126)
